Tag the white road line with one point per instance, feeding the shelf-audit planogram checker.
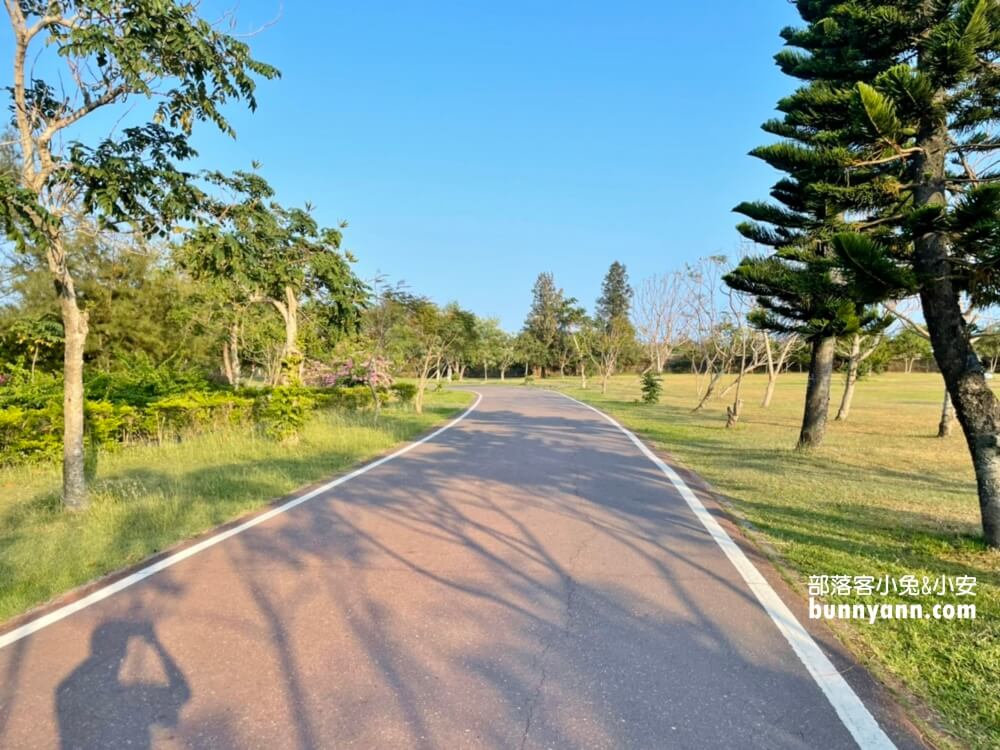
(849, 707)
(111, 589)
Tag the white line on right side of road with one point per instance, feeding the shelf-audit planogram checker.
(849, 707)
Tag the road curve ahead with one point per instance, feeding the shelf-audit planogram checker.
(526, 579)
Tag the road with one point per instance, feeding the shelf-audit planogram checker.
(525, 579)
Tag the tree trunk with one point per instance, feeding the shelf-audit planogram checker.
(716, 377)
(853, 362)
(75, 333)
(227, 368)
(976, 406)
(291, 357)
(231, 356)
(423, 375)
(947, 416)
(817, 393)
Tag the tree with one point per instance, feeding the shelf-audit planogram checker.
(543, 322)
(657, 313)
(909, 346)
(571, 316)
(115, 52)
(506, 354)
(862, 345)
(711, 327)
(462, 336)
(927, 125)
(614, 332)
(799, 287)
(419, 340)
(493, 348)
(615, 302)
(30, 338)
(258, 251)
(786, 344)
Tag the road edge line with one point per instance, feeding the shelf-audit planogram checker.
(851, 710)
(111, 589)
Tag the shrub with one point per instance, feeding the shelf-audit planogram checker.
(405, 392)
(138, 382)
(282, 412)
(652, 387)
(195, 411)
(29, 434)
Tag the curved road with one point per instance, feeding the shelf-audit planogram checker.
(526, 579)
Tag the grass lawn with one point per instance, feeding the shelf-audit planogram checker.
(146, 498)
(882, 496)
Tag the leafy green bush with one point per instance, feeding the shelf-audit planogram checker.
(28, 434)
(196, 410)
(122, 408)
(139, 382)
(404, 392)
(281, 413)
(353, 397)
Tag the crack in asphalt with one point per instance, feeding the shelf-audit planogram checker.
(571, 585)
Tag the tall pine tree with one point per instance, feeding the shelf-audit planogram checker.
(922, 94)
(798, 287)
(543, 323)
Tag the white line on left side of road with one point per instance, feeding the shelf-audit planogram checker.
(849, 707)
(113, 588)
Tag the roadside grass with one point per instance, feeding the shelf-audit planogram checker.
(882, 496)
(146, 498)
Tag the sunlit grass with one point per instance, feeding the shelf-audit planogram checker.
(146, 498)
(883, 495)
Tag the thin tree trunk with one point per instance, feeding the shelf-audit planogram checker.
(947, 416)
(817, 403)
(733, 411)
(291, 357)
(716, 377)
(231, 356)
(853, 362)
(772, 375)
(976, 406)
(75, 335)
(423, 375)
(227, 368)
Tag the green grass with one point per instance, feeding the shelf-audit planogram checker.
(882, 496)
(146, 498)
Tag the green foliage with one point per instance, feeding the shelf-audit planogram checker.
(652, 387)
(149, 403)
(138, 381)
(615, 301)
(281, 412)
(116, 51)
(404, 392)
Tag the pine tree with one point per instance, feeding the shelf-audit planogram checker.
(615, 301)
(798, 287)
(544, 318)
(922, 94)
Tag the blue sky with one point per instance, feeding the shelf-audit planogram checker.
(471, 145)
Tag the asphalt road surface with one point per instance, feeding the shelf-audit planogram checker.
(526, 579)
